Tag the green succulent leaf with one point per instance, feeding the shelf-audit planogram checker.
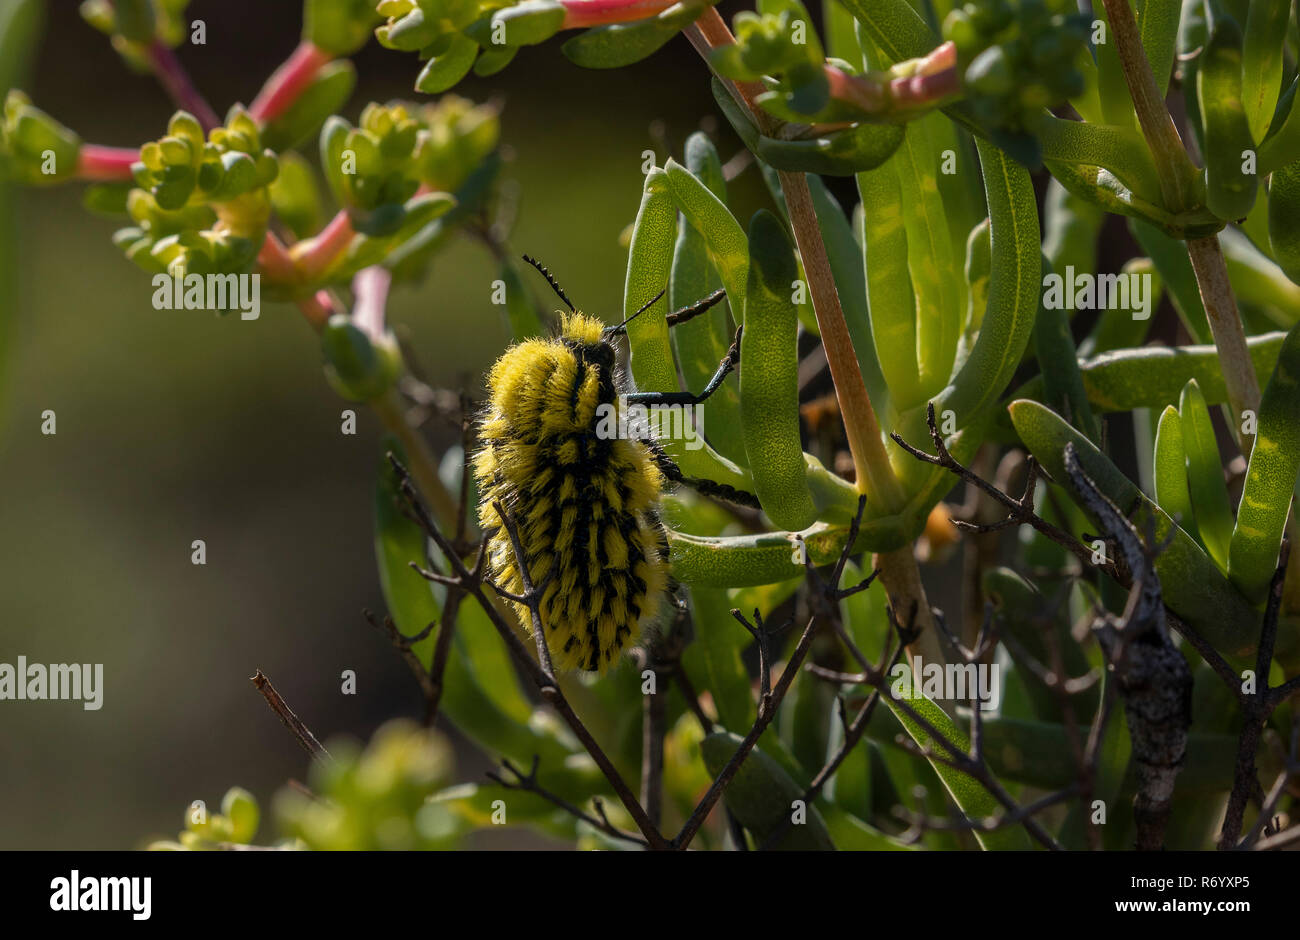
(328, 92)
(1205, 482)
(760, 794)
(976, 801)
(1193, 586)
(1169, 470)
(1270, 477)
(769, 382)
(1230, 193)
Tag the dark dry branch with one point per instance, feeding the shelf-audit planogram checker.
(972, 763)
(768, 704)
(403, 645)
(853, 732)
(1152, 676)
(951, 754)
(1264, 824)
(1258, 707)
(528, 782)
(692, 699)
(1053, 678)
(1156, 670)
(662, 658)
(539, 670)
(1019, 511)
(919, 824)
(291, 721)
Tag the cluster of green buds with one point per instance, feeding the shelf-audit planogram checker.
(135, 25)
(778, 47)
(454, 37)
(399, 150)
(459, 136)
(778, 41)
(201, 206)
(399, 172)
(376, 798)
(435, 29)
(373, 164)
(339, 27)
(1018, 58)
(236, 824)
(34, 148)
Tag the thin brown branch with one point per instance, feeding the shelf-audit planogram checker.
(297, 728)
(528, 783)
(539, 670)
(766, 712)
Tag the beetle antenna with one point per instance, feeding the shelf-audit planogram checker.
(644, 307)
(555, 286)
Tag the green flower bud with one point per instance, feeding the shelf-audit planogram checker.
(409, 31)
(377, 798)
(340, 27)
(373, 164)
(134, 25)
(240, 807)
(34, 148)
(459, 136)
(1017, 58)
(181, 167)
(358, 368)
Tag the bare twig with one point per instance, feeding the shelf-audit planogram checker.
(1019, 511)
(768, 706)
(528, 782)
(1258, 707)
(539, 670)
(290, 720)
(1153, 677)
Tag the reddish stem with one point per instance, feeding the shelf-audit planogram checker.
(275, 261)
(314, 256)
(583, 13)
(370, 287)
(863, 94)
(173, 77)
(925, 90)
(288, 82)
(106, 164)
(278, 266)
(935, 80)
(318, 308)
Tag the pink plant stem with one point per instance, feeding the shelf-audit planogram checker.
(325, 247)
(921, 90)
(935, 80)
(318, 308)
(275, 262)
(583, 13)
(370, 287)
(288, 82)
(278, 266)
(173, 77)
(106, 164)
(862, 93)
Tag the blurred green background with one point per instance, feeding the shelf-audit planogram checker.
(177, 425)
